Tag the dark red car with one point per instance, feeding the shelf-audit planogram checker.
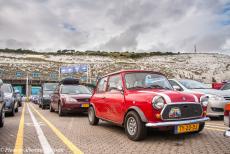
(69, 96)
(138, 99)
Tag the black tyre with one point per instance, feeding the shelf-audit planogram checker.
(16, 109)
(134, 127)
(2, 117)
(12, 113)
(43, 106)
(201, 127)
(51, 109)
(93, 120)
(60, 111)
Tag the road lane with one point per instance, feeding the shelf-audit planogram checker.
(18, 149)
(108, 138)
(43, 141)
(65, 140)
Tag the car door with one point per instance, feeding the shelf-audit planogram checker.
(114, 99)
(98, 98)
(55, 98)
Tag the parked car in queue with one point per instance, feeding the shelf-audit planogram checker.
(70, 96)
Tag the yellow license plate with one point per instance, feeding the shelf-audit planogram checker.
(84, 105)
(187, 128)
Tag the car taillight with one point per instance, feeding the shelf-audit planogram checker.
(226, 113)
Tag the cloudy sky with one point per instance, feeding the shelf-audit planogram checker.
(116, 25)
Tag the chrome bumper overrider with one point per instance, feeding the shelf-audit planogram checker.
(174, 123)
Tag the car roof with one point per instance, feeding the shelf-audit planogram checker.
(69, 81)
(130, 71)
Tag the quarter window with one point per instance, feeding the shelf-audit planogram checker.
(115, 82)
(173, 83)
(102, 85)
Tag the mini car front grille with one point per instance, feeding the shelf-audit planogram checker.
(187, 111)
(227, 98)
(83, 100)
(215, 109)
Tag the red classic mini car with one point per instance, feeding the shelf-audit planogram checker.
(69, 96)
(138, 99)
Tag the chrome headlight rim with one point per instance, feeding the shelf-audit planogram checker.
(204, 100)
(158, 102)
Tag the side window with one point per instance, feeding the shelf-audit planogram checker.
(115, 82)
(173, 83)
(102, 85)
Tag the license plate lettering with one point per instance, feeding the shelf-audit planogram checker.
(186, 128)
(84, 105)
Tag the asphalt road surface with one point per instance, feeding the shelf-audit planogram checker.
(32, 130)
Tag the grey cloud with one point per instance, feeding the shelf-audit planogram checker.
(14, 43)
(113, 25)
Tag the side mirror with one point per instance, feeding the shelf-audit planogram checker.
(177, 88)
(120, 88)
(1, 82)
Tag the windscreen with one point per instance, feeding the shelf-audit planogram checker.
(139, 80)
(75, 89)
(50, 86)
(192, 84)
(6, 88)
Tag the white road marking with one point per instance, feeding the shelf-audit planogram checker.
(223, 127)
(42, 139)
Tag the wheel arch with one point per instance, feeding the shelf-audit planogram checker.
(138, 111)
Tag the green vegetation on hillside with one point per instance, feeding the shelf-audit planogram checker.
(126, 54)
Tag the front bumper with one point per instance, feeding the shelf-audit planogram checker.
(68, 107)
(175, 123)
(216, 109)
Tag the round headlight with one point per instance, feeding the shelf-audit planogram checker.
(158, 102)
(204, 100)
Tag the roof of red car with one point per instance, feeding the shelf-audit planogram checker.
(127, 71)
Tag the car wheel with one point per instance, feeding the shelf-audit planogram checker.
(134, 127)
(201, 127)
(43, 107)
(16, 110)
(2, 117)
(51, 109)
(60, 112)
(93, 120)
(13, 111)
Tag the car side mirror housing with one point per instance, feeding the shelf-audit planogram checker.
(1, 82)
(177, 88)
(120, 88)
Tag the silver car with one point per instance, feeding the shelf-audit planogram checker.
(2, 105)
(217, 98)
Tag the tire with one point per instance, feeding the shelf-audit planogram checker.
(134, 127)
(43, 107)
(12, 113)
(16, 110)
(60, 111)
(2, 117)
(202, 125)
(93, 120)
(51, 109)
